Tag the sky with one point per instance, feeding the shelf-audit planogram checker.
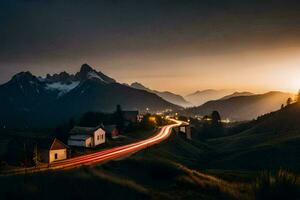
(179, 46)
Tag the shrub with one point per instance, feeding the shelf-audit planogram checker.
(282, 185)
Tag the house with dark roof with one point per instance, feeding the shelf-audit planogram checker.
(86, 136)
(112, 131)
(52, 150)
(130, 115)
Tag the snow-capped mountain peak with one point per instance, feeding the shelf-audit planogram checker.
(87, 72)
(62, 88)
(63, 82)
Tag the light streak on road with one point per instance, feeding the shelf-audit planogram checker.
(117, 152)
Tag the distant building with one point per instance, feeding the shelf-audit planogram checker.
(130, 116)
(52, 150)
(140, 117)
(112, 131)
(86, 136)
(186, 130)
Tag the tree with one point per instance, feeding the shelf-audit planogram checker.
(119, 118)
(289, 101)
(282, 106)
(215, 118)
(298, 97)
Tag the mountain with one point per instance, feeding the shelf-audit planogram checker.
(243, 107)
(200, 97)
(168, 96)
(237, 94)
(30, 101)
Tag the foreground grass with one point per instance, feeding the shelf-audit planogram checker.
(173, 170)
(281, 185)
(127, 179)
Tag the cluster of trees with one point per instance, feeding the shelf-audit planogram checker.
(289, 101)
(91, 119)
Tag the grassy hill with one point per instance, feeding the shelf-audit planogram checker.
(271, 142)
(221, 168)
(160, 172)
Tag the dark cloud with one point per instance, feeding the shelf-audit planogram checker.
(42, 32)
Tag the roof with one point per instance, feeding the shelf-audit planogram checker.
(57, 144)
(51, 144)
(79, 130)
(79, 137)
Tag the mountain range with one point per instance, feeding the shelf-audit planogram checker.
(168, 96)
(237, 94)
(243, 107)
(30, 101)
(200, 97)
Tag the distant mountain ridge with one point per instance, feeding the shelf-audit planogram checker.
(200, 97)
(86, 72)
(243, 107)
(168, 96)
(237, 94)
(30, 101)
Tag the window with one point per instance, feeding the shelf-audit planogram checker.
(55, 156)
(102, 137)
(98, 137)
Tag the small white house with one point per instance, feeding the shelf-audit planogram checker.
(86, 136)
(53, 150)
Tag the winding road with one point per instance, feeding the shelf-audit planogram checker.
(117, 152)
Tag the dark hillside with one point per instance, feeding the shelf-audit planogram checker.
(271, 142)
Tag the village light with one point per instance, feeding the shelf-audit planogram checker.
(152, 119)
(226, 121)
